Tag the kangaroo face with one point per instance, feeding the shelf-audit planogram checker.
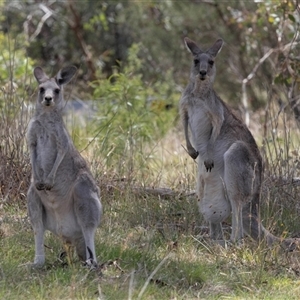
(50, 89)
(49, 93)
(203, 66)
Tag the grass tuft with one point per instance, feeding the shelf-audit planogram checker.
(152, 243)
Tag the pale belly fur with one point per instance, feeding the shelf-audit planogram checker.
(213, 203)
(61, 219)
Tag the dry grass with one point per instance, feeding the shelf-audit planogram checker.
(153, 246)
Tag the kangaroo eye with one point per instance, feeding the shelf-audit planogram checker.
(211, 62)
(196, 61)
(42, 90)
(56, 91)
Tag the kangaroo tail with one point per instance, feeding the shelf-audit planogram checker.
(253, 227)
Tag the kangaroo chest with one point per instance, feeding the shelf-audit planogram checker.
(48, 142)
(199, 122)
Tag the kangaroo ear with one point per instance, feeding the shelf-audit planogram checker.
(192, 46)
(65, 75)
(215, 48)
(40, 75)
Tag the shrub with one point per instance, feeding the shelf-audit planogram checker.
(132, 113)
(14, 79)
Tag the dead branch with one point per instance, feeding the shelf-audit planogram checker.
(76, 26)
(161, 192)
(48, 13)
(252, 74)
(283, 181)
(164, 193)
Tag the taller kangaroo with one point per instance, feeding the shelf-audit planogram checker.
(229, 162)
(63, 196)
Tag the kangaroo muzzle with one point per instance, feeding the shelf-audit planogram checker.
(202, 74)
(48, 99)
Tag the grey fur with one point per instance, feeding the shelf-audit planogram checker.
(229, 162)
(63, 196)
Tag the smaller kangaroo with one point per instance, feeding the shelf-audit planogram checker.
(63, 196)
(229, 162)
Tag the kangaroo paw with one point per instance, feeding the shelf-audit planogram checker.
(290, 244)
(40, 186)
(193, 154)
(90, 262)
(209, 164)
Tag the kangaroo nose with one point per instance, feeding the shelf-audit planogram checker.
(202, 73)
(48, 98)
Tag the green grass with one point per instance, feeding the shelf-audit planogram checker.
(138, 234)
(149, 247)
(152, 247)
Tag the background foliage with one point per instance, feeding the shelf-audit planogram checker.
(96, 35)
(261, 40)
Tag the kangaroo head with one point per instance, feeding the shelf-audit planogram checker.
(203, 68)
(50, 89)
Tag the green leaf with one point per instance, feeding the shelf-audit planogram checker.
(292, 18)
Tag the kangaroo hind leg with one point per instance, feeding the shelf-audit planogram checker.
(239, 179)
(37, 217)
(216, 233)
(81, 248)
(88, 211)
(213, 204)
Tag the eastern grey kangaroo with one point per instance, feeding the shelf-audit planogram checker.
(229, 162)
(63, 196)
